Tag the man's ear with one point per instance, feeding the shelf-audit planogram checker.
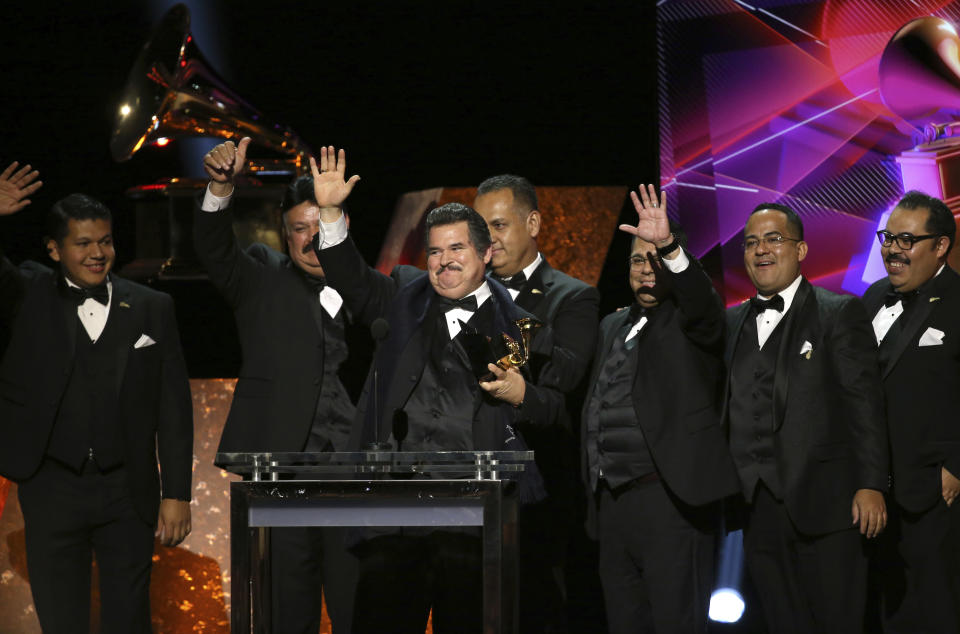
(801, 250)
(533, 223)
(941, 246)
(488, 254)
(53, 249)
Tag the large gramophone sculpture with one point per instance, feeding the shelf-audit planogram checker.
(920, 81)
(172, 92)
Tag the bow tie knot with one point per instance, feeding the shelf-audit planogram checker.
(892, 297)
(468, 303)
(516, 282)
(774, 303)
(98, 293)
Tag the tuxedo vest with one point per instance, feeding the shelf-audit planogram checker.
(752, 375)
(86, 422)
(333, 413)
(616, 448)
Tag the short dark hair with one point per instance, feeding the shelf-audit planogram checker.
(793, 220)
(452, 213)
(73, 207)
(524, 193)
(678, 234)
(940, 220)
(299, 191)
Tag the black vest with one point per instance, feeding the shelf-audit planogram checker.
(616, 448)
(86, 421)
(752, 374)
(334, 413)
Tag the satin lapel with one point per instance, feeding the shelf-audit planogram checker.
(803, 303)
(741, 313)
(71, 321)
(126, 312)
(919, 313)
(536, 288)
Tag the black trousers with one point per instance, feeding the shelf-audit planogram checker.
(656, 559)
(807, 585)
(918, 571)
(542, 545)
(70, 517)
(402, 577)
(305, 563)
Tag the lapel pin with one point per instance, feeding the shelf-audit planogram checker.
(536, 291)
(124, 305)
(934, 299)
(809, 353)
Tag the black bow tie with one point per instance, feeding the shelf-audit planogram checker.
(636, 312)
(760, 305)
(316, 284)
(516, 282)
(99, 293)
(468, 303)
(892, 297)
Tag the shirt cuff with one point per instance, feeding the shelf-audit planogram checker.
(678, 264)
(333, 233)
(213, 203)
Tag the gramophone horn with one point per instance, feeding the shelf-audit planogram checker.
(173, 92)
(920, 69)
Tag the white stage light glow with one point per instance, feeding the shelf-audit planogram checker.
(726, 605)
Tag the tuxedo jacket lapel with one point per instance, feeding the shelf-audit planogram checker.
(536, 288)
(796, 316)
(126, 312)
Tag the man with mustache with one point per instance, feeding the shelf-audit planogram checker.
(94, 396)
(294, 335)
(916, 314)
(569, 306)
(426, 380)
(655, 461)
(805, 417)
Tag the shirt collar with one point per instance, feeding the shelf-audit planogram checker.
(482, 293)
(70, 284)
(787, 294)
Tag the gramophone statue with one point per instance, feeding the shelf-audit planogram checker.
(172, 92)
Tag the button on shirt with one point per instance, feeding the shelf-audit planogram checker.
(329, 298)
(676, 265)
(768, 320)
(93, 315)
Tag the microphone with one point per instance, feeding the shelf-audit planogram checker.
(379, 329)
(400, 427)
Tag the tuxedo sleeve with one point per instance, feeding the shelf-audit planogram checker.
(858, 376)
(175, 426)
(570, 340)
(366, 292)
(701, 309)
(234, 272)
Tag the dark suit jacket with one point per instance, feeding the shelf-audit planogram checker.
(922, 392)
(828, 411)
(276, 315)
(403, 299)
(153, 393)
(677, 388)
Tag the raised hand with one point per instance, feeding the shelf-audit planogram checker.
(15, 186)
(652, 223)
(330, 188)
(224, 163)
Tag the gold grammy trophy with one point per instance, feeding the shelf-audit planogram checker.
(519, 354)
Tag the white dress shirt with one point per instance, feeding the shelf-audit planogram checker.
(527, 272)
(93, 315)
(887, 315)
(767, 320)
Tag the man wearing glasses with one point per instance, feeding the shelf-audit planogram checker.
(655, 461)
(805, 417)
(916, 313)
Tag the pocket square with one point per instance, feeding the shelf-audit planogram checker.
(932, 337)
(806, 349)
(143, 342)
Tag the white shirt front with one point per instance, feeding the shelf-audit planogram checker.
(887, 315)
(768, 320)
(93, 315)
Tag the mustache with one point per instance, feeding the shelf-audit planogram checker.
(897, 257)
(453, 266)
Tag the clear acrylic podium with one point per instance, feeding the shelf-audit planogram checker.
(366, 489)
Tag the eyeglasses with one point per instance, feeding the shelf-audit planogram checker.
(770, 241)
(904, 240)
(636, 261)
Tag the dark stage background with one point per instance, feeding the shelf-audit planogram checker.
(421, 94)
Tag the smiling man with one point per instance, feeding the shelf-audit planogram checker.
(93, 390)
(916, 314)
(805, 419)
(425, 380)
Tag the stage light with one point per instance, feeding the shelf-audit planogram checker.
(124, 110)
(726, 606)
(162, 141)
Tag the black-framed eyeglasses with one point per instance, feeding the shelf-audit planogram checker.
(904, 240)
(636, 261)
(770, 241)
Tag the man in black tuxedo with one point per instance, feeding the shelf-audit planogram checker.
(655, 460)
(289, 397)
(93, 390)
(807, 431)
(427, 380)
(569, 306)
(916, 312)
